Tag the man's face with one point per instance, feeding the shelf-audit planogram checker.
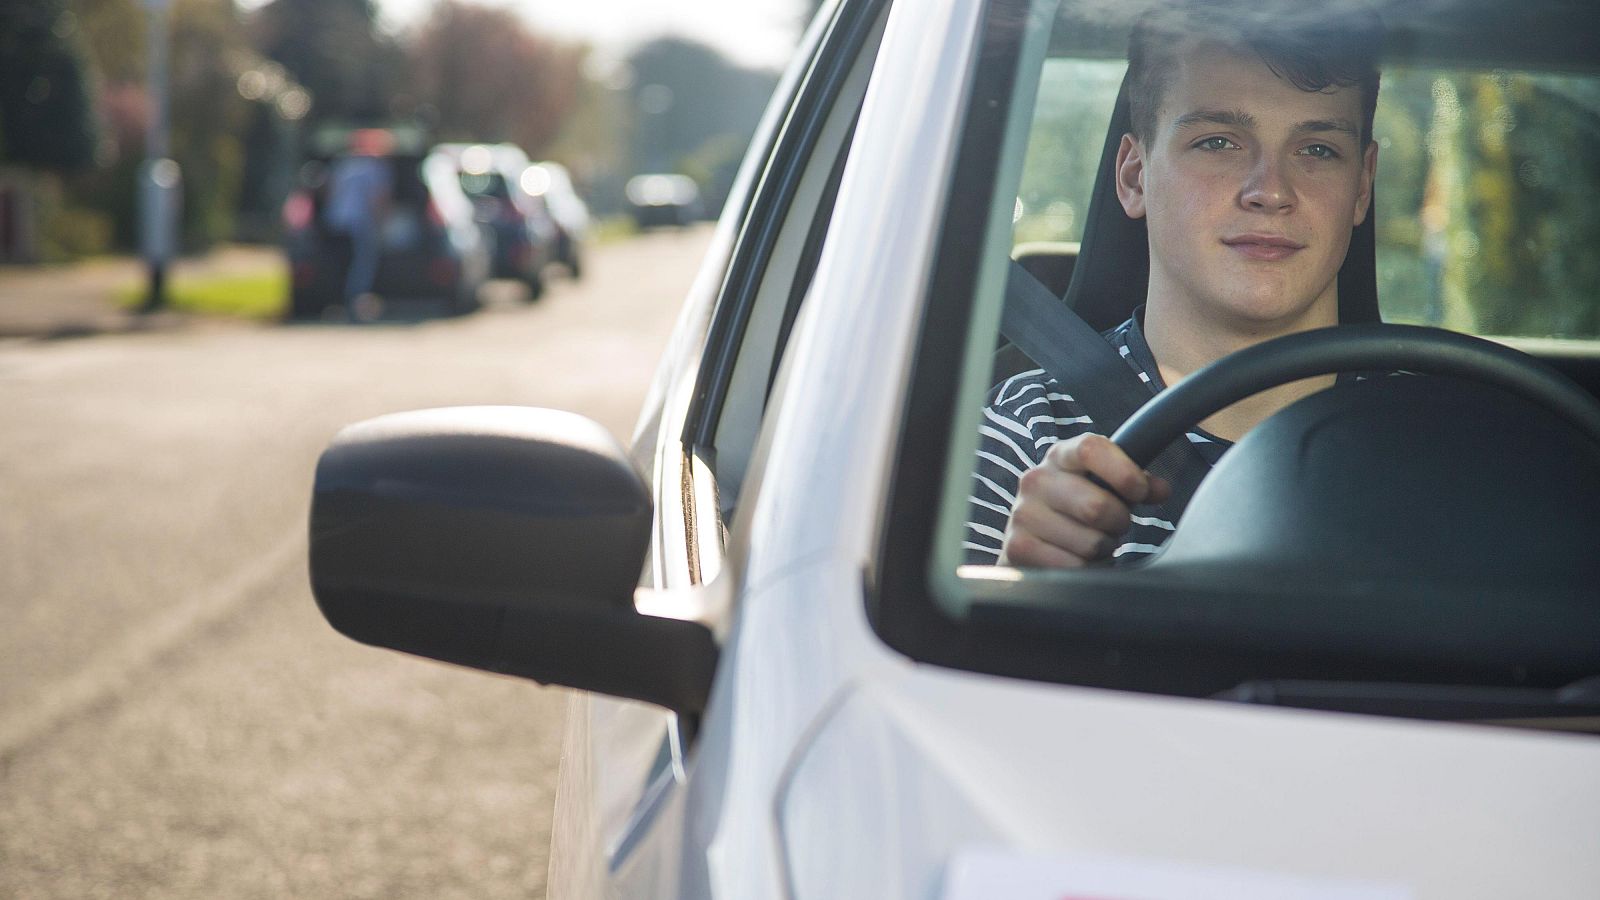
(1250, 187)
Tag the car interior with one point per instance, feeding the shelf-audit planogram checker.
(1419, 547)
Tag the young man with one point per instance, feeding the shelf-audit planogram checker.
(1251, 161)
(359, 191)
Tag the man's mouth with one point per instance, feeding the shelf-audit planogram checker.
(1264, 246)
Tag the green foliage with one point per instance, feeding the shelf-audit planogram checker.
(208, 48)
(67, 232)
(208, 116)
(1075, 99)
(113, 33)
(46, 113)
(1483, 201)
(610, 229)
(333, 48)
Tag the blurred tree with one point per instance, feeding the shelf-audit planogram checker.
(47, 128)
(694, 112)
(113, 32)
(1479, 228)
(209, 48)
(213, 99)
(46, 112)
(490, 78)
(594, 142)
(354, 73)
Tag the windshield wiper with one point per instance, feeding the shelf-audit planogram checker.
(1575, 706)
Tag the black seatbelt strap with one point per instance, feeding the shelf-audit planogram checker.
(1091, 371)
(1073, 353)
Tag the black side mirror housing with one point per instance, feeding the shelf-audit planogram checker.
(508, 539)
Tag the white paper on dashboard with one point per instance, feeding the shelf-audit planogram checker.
(985, 874)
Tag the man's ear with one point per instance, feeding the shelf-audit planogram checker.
(1369, 172)
(1130, 176)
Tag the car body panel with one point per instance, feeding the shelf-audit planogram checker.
(946, 761)
(586, 834)
(853, 339)
(799, 633)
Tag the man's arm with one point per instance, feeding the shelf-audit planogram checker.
(1031, 501)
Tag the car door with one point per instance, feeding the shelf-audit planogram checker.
(619, 804)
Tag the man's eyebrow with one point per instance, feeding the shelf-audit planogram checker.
(1342, 126)
(1232, 118)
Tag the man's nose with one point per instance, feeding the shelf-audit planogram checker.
(1269, 186)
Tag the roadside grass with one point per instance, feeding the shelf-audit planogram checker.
(262, 295)
(612, 229)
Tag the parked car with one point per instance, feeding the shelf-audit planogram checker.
(552, 181)
(793, 685)
(431, 245)
(527, 237)
(658, 200)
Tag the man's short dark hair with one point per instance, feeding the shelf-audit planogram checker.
(1332, 46)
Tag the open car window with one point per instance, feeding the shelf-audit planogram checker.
(1486, 209)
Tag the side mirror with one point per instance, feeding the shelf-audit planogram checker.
(502, 538)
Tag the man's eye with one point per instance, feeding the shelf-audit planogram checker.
(1321, 151)
(1215, 143)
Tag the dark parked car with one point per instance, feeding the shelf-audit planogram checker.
(658, 200)
(431, 246)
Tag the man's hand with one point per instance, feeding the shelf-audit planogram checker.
(1063, 519)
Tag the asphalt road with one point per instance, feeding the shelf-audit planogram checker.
(176, 720)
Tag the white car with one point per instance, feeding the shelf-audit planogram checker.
(797, 686)
(553, 182)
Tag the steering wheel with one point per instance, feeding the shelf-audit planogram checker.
(1346, 348)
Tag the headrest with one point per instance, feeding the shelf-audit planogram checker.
(1113, 267)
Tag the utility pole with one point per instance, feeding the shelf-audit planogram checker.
(160, 180)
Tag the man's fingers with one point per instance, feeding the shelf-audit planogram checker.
(1080, 538)
(1072, 507)
(1093, 454)
(1023, 549)
(1073, 496)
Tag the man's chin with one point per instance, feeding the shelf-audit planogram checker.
(1270, 312)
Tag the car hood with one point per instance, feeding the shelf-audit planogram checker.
(938, 784)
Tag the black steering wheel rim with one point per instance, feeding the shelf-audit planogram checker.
(1323, 351)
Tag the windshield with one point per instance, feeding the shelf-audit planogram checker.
(1482, 215)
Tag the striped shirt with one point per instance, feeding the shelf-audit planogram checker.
(1027, 413)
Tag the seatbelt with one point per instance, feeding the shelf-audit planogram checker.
(1092, 372)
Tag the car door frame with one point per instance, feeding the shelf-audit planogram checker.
(677, 435)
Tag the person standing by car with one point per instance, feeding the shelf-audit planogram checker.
(1251, 160)
(359, 191)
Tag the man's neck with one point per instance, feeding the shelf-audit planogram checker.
(1185, 338)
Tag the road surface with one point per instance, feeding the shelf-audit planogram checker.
(176, 720)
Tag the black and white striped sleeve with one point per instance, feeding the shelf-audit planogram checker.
(1024, 416)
